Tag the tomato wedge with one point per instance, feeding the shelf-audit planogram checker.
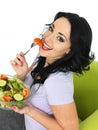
(38, 41)
(26, 93)
(4, 77)
(7, 98)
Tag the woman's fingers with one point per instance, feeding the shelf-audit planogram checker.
(24, 109)
(19, 60)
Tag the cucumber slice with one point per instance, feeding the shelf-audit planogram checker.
(18, 97)
(2, 82)
(1, 94)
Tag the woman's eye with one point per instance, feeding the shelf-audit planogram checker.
(60, 39)
(50, 29)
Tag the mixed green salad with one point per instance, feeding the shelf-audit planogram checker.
(12, 91)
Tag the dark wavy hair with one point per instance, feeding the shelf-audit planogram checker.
(79, 57)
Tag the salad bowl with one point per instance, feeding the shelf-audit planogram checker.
(13, 92)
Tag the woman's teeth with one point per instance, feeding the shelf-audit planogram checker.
(45, 46)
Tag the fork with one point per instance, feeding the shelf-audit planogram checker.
(32, 45)
(36, 41)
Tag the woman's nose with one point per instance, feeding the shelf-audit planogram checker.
(49, 37)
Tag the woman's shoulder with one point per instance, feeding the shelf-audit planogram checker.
(59, 77)
(59, 88)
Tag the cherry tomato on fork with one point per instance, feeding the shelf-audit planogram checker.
(38, 41)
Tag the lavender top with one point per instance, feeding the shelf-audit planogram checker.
(56, 90)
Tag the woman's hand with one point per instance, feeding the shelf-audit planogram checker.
(23, 110)
(20, 65)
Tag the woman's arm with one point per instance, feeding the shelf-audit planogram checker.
(65, 116)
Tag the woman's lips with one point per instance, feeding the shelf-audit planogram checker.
(46, 47)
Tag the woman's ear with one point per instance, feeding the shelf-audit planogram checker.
(67, 50)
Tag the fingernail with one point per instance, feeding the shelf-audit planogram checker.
(14, 107)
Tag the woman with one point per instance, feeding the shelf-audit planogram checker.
(66, 47)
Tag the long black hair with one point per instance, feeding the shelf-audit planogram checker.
(79, 57)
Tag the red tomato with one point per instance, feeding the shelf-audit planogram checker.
(38, 41)
(7, 98)
(26, 92)
(4, 77)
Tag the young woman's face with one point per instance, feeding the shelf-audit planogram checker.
(56, 40)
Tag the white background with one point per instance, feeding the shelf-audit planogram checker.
(23, 20)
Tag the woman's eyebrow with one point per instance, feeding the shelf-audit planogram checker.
(52, 25)
(63, 35)
(60, 32)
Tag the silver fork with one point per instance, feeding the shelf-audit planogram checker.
(32, 45)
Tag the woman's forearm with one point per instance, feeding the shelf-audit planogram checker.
(47, 121)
